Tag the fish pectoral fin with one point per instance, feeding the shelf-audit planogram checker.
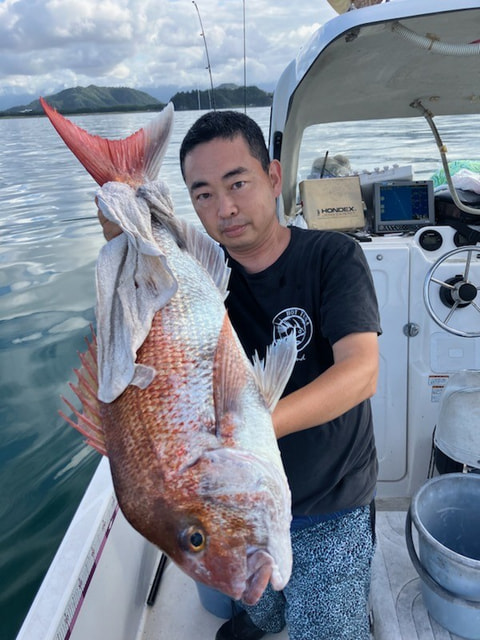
(229, 378)
(274, 371)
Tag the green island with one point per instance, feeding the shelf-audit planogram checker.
(93, 99)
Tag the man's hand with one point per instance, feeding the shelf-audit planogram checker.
(110, 229)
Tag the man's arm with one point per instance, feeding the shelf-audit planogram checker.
(350, 380)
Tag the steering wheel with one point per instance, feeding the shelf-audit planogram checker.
(456, 293)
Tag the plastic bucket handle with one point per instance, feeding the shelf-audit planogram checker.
(437, 588)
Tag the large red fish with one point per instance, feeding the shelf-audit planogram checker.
(167, 391)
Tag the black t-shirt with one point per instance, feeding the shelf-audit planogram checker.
(322, 286)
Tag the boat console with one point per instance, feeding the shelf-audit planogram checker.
(407, 65)
(427, 288)
(427, 278)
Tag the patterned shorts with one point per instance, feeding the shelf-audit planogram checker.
(327, 595)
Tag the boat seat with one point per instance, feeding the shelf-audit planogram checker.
(457, 434)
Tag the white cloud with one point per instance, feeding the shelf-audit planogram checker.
(46, 45)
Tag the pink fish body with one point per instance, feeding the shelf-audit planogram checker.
(170, 396)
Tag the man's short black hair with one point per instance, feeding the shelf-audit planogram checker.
(226, 125)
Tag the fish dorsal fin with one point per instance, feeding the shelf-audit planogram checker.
(274, 371)
(210, 255)
(198, 244)
(228, 378)
(133, 160)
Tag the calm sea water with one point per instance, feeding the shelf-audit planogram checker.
(49, 241)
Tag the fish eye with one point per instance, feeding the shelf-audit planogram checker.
(194, 539)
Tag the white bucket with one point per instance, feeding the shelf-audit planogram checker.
(446, 514)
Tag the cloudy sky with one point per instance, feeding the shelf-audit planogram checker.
(49, 45)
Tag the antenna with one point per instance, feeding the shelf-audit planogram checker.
(212, 97)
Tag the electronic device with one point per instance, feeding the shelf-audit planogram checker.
(381, 174)
(402, 205)
(333, 203)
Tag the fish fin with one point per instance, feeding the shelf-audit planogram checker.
(228, 378)
(134, 160)
(210, 255)
(198, 244)
(274, 371)
(89, 421)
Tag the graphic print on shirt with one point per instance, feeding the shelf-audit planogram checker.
(293, 319)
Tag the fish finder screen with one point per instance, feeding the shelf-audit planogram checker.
(403, 206)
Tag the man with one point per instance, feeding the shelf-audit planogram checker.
(318, 283)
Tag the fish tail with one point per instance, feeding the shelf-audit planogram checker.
(88, 421)
(134, 160)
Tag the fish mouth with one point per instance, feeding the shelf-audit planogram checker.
(260, 566)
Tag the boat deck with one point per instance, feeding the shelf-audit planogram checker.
(398, 610)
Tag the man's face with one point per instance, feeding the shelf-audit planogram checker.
(231, 193)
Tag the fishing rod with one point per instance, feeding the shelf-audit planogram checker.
(211, 95)
(244, 63)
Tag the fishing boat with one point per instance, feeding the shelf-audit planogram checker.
(412, 61)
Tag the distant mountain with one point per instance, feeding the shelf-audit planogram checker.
(92, 99)
(95, 99)
(225, 96)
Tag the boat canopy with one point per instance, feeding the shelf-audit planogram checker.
(376, 63)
